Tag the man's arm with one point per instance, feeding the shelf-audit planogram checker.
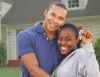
(27, 55)
(32, 65)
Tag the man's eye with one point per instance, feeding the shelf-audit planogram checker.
(53, 14)
(61, 18)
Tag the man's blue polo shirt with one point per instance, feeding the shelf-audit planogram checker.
(34, 40)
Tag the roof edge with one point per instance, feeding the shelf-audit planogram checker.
(83, 18)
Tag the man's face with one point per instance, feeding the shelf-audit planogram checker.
(55, 17)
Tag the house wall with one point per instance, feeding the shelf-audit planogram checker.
(12, 31)
(3, 36)
(11, 41)
(92, 25)
(11, 53)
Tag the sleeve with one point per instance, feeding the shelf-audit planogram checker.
(24, 43)
(92, 66)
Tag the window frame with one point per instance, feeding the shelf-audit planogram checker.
(82, 4)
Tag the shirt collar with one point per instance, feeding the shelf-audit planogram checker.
(39, 27)
(73, 52)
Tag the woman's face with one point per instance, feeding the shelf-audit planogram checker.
(67, 41)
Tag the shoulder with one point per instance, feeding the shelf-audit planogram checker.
(80, 52)
(26, 32)
(25, 36)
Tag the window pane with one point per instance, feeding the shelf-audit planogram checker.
(73, 5)
(69, 6)
(69, 2)
(77, 5)
(73, 1)
(77, 1)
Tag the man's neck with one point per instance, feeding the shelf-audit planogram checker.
(51, 35)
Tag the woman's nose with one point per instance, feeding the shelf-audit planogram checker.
(63, 42)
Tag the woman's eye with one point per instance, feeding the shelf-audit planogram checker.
(59, 39)
(68, 39)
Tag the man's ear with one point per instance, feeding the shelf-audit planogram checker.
(45, 12)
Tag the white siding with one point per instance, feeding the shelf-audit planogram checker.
(0, 7)
(96, 31)
(5, 8)
(3, 36)
(82, 3)
(0, 19)
(92, 25)
(11, 41)
(0, 26)
(11, 44)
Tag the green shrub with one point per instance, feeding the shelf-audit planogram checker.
(97, 49)
(2, 54)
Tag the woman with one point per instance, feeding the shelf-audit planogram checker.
(78, 62)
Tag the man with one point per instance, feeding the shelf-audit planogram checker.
(37, 46)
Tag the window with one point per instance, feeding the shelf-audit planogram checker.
(73, 3)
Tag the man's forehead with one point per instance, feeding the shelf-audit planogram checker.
(58, 10)
(55, 6)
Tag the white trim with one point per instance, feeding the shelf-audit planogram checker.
(15, 44)
(5, 8)
(7, 43)
(10, 25)
(83, 18)
(0, 26)
(82, 4)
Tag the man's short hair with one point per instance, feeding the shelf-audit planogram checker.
(58, 4)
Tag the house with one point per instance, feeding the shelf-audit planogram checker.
(23, 14)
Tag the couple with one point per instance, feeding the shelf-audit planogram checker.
(39, 52)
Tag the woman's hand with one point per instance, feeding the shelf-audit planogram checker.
(87, 37)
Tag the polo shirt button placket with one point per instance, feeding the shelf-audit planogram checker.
(44, 33)
(47, 39)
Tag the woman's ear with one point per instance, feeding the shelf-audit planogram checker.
(45, 12)
(78, 39)
(78, 43)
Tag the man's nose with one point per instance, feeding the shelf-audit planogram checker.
(56, 19)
